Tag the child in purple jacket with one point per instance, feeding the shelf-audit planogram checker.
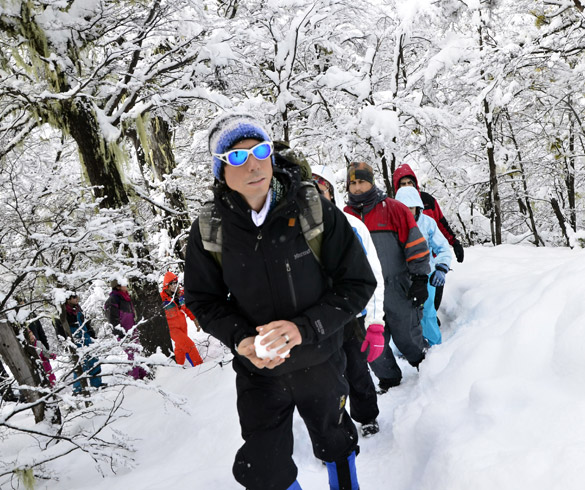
(121, 315)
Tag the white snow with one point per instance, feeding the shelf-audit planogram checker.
(262, 350)
(499, 405)
(380, 124)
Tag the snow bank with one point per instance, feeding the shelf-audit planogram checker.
(499, 405)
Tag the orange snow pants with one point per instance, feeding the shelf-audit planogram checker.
(184, 345)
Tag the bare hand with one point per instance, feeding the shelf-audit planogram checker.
(246, 349)
(285, 334)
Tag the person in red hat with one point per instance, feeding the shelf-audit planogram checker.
(175, 309)
(404, 176)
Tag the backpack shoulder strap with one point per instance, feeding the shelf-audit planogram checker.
(210, 230)
(311, 217)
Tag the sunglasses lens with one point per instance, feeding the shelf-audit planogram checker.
(262, 151)
(237, 157)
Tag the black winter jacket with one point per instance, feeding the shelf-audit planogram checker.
(269, 273)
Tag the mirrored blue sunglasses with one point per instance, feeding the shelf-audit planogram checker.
(238, 157)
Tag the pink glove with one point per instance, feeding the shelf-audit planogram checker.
(375, 339)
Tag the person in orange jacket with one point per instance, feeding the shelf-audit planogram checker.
(175, 309)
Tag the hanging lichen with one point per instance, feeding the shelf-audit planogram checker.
(27, 477)
(141, 123)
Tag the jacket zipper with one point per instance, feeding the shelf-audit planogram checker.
(258, 238)
(291, 284)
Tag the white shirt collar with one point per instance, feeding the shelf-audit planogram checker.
(259, 217)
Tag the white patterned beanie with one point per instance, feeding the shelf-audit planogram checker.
(230, 129)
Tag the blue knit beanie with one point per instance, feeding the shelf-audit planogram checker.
(230, 129)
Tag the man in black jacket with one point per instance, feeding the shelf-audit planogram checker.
(269, 281)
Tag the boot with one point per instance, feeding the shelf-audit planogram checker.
(342, 474)
(370, 428)
(386, 383)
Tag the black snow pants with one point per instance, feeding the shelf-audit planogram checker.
(266, 405)
(363, 401)
(409, 340)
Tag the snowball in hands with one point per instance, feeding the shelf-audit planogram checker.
(264, 353)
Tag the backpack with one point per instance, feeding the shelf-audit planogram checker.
(310, 219)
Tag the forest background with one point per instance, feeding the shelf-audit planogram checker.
(105, 105)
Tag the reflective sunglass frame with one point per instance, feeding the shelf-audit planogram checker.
(225, 157)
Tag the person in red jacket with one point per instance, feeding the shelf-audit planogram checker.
(404, 176)
(404, 256)
(175, 309)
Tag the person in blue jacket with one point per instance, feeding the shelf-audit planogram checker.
(82, 335)
(440, 259)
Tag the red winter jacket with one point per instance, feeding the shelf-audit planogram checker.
(403, 253)
(432, 207)
(393, 217)
(174, 306)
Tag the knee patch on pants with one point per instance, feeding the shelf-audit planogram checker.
(342, 474)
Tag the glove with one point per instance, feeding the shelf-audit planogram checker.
(418, 292)
(458, 249)
(374, 339)
(438, 277)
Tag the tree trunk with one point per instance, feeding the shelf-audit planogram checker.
(494, 193)
(99, 161)
(100, 153)
(398, 63)
(163, 163)
(570, 176)
(558, 213)
(22, 367)
(76, 117)
(154, 332)
(6, 392)
(496, 211)
(154, 149)
(462, 223)
(387, 174)
(526, 201)
(98, 156)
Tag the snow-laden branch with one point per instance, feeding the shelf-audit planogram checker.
(144, 196)
(29, 125)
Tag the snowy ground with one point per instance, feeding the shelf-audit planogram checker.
(499, 405)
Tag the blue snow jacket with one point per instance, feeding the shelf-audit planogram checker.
(436, 241)
(440, 254)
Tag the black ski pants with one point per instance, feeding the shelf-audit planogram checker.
(266, 405)
(408, 339)
(363, 401)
